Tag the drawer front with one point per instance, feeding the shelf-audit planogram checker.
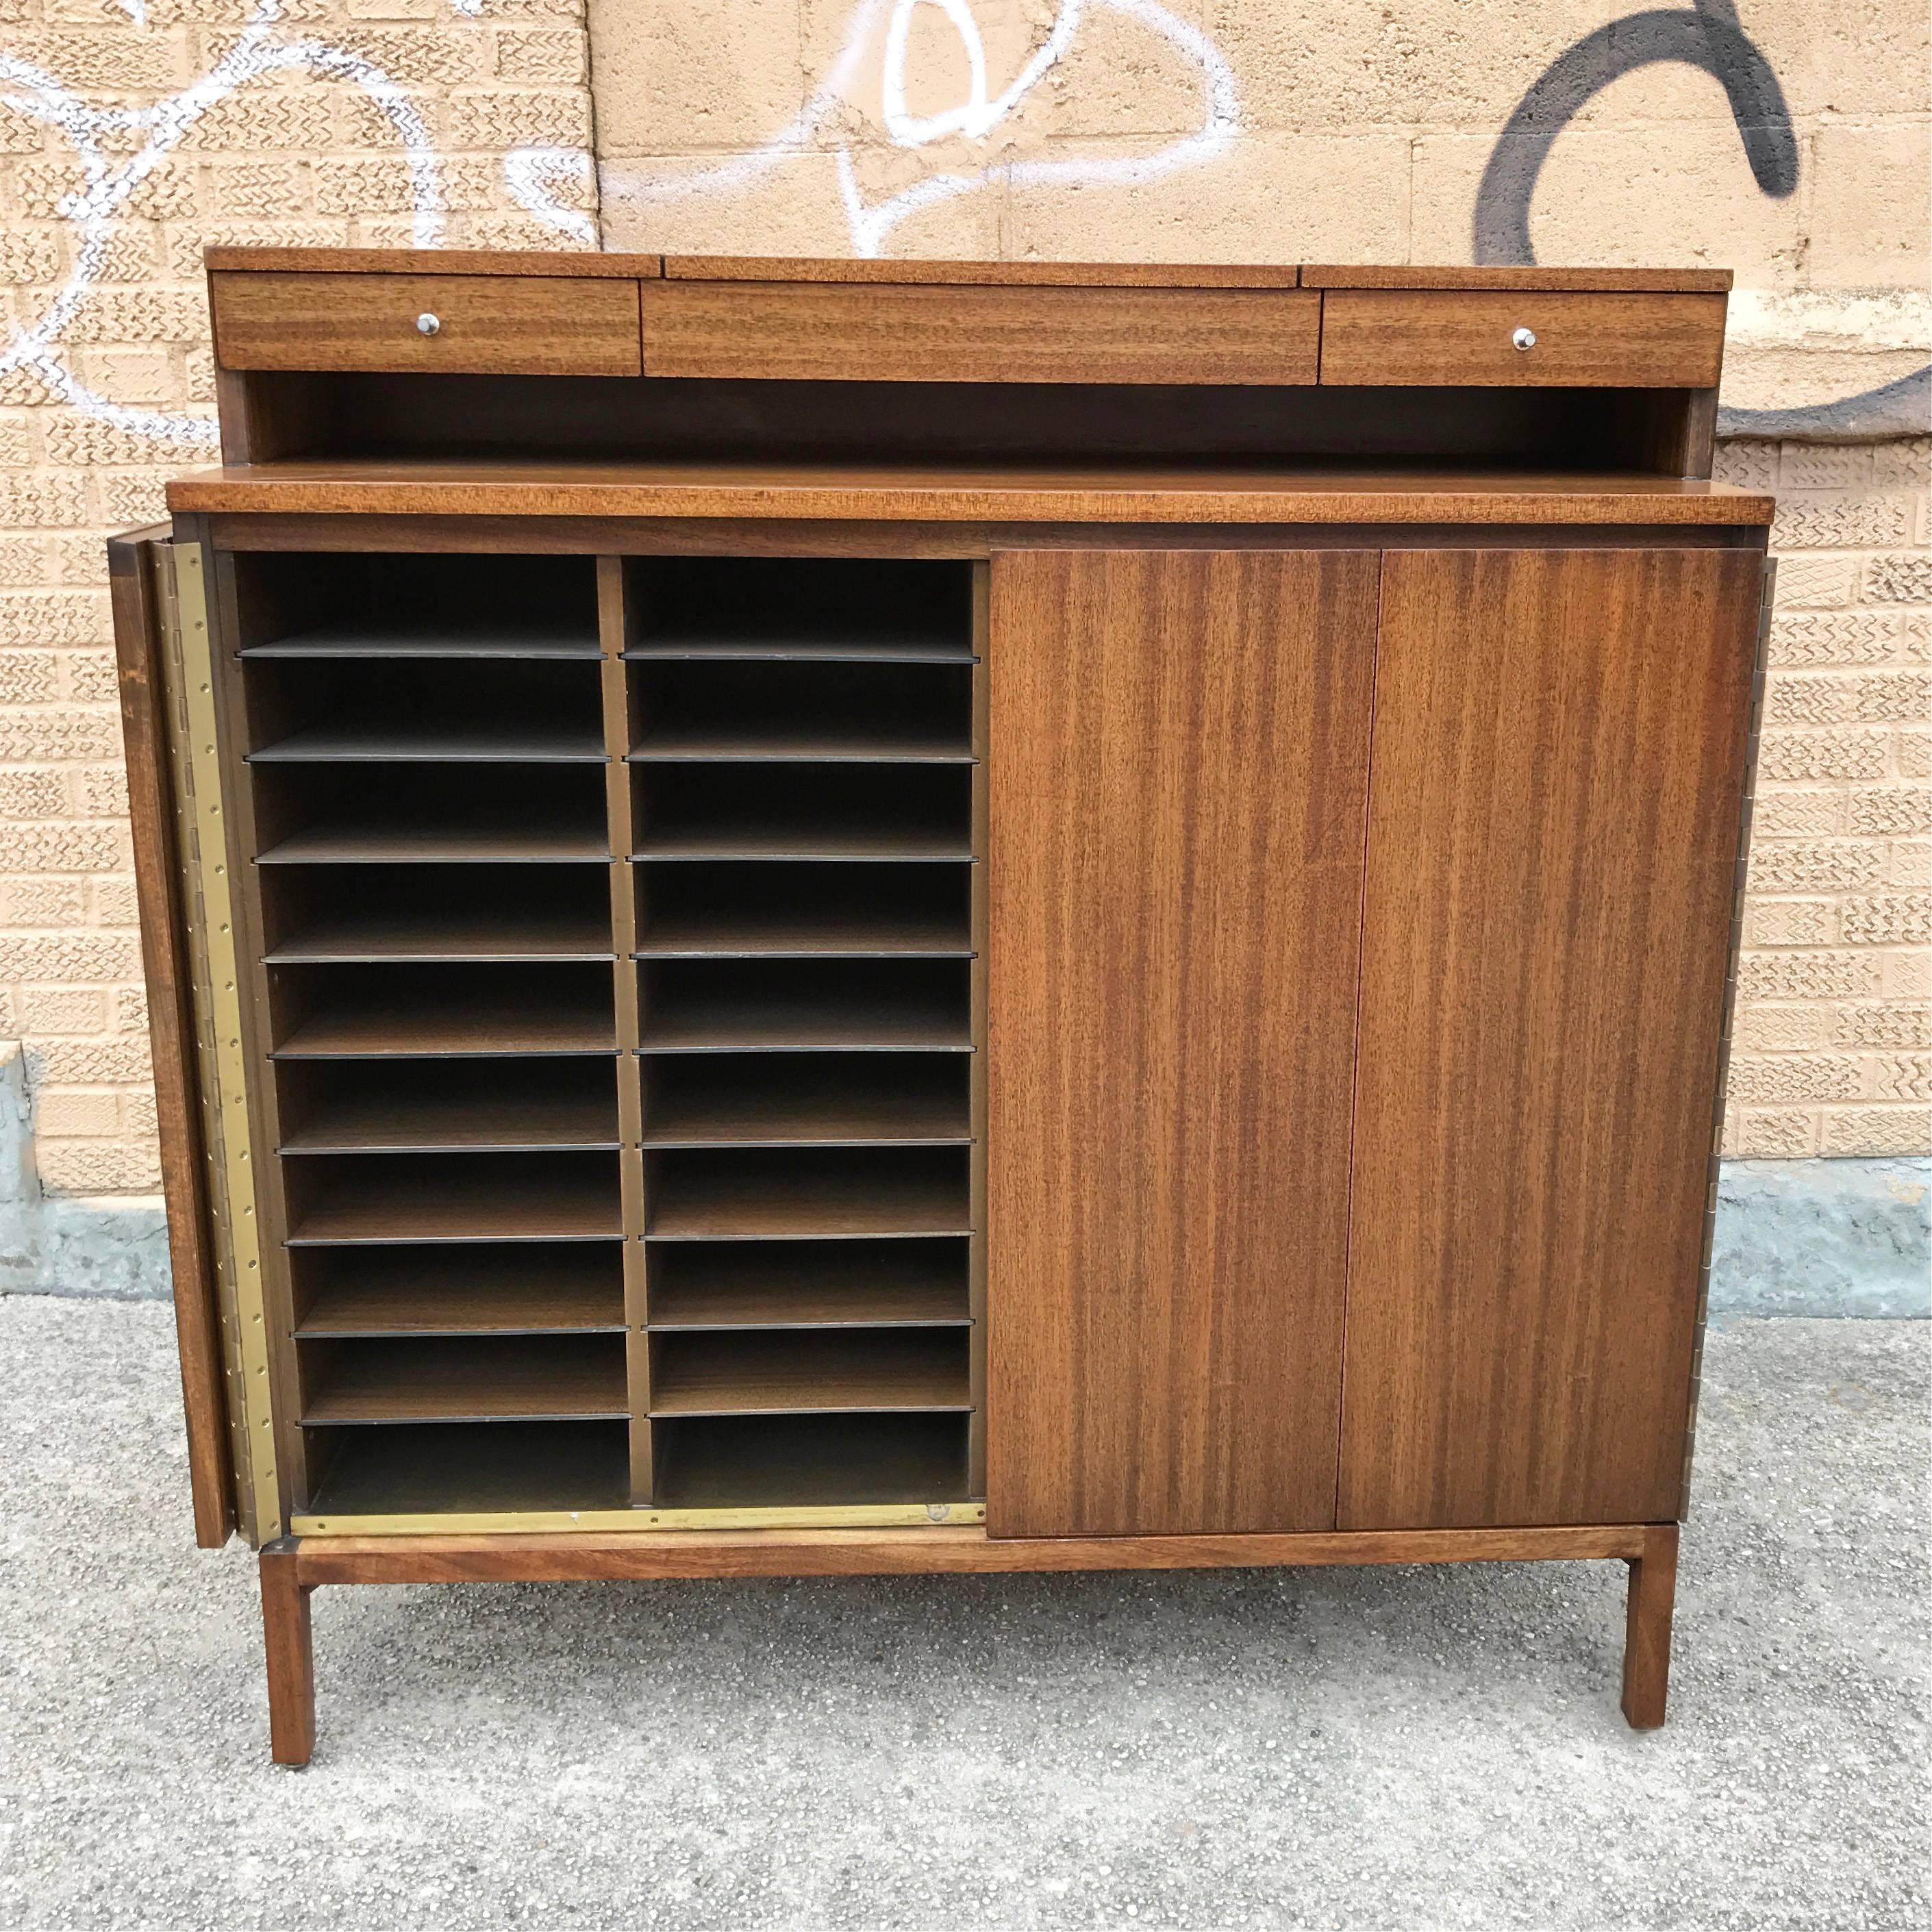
(1619, 341)
(909, 333)
(484, 325)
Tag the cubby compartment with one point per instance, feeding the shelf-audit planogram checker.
(805, 1372)
(386, 605)
(338, 1199)
(417, 1011)
(373, 1380)
(451, 1467)
(521, 1288)
(363, 710)
(344, 814)
(694, 708)
(827, 610)
(856, 1005)
(777, 1099)
(808, 1461)
(758, 910)
(834, 811)
(518, 1105)
(350, 914)
(793, 1193)
(784, 1285)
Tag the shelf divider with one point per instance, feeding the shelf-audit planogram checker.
(615, 623)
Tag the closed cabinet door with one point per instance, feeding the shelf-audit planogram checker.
(1558, 760)
(1179, 748)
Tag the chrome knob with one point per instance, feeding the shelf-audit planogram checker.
(1524, 338)
(427, 325)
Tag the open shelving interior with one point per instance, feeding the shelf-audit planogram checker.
(618, 992)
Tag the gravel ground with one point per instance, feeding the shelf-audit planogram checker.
(1407, 1749)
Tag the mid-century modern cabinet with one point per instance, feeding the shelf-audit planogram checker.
(815, 917)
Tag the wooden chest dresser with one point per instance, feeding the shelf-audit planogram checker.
(820, 917)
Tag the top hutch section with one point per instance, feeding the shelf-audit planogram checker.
(624, 359)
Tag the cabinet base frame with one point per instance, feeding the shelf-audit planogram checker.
(293, 1569)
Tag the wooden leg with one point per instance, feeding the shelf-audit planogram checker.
(1653, 1595)
(285, 1624)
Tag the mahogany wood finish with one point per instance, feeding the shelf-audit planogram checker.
(875, 885)
(532, 324)
(1558, 760)
(1626, 341)
(1653, 1594)
(910, 332)
(171, 1033)
(1014, 494)
(1172, 1001)
(286, 1627)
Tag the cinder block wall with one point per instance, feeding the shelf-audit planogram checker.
(1240, 129)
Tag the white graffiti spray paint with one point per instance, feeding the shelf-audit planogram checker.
(533, 174)
(109, 183)
(974, 118)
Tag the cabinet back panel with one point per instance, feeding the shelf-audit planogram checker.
(1558, 756)
(1179, 746)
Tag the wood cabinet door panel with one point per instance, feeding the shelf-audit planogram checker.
(1557, 759)
(1179, 749)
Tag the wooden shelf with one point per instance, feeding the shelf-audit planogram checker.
(772, 1100)
(830, 934)
(855, 842)
(442, 937)
(777, 647)
(809, 1285)
(838, 1006)
(518, 1291)
(796, 1461)
(451, 1106)
(379, 1198)
(852, 1371)
(508, 744)
(532, 1378)
(853, 743)
(453, 844)
(411, 1469)
(854, 1194)
(372, 1032)
(349, 641)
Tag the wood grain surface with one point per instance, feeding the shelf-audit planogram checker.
(908, 332)
(491, 324)
(832, 1553)
(1015, 493)
(987, 274)
(1178, 774)
(1618, 341)
(565, 265)
(171, 1032)
(1535, 275)
(1559, 741)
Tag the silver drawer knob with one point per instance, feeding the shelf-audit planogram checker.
(427, 325)
(1524, 338)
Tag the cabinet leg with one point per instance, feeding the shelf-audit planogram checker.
(1653, 1596)
(285, 1626)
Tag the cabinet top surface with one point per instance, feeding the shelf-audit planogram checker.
(581, 264)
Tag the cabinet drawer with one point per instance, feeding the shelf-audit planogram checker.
(906, 332)
(1451, 336)
(485, 325)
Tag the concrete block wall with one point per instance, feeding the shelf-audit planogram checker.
(1790, 145)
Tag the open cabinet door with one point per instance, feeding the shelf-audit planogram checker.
(147, 639)
(1179, 770)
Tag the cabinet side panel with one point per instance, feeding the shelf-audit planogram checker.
(139, 649)
(1178, 750)
(1558, 754)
